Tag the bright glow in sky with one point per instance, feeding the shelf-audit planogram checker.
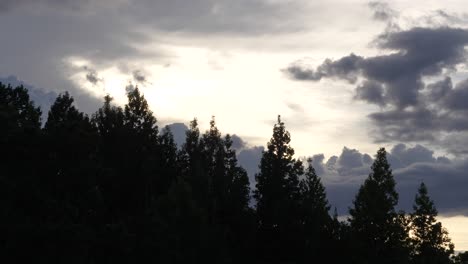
(457, 227)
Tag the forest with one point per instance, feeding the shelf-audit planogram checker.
(113, 187)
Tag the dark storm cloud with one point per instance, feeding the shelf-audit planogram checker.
(401, 156)
(372, 92)
(456, 99)
(346, 68)
(396, 78)
(446, 182)
(410, 109)
(350, 158)
(445, 178)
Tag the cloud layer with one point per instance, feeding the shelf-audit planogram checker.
(411, 110)
(445, 178)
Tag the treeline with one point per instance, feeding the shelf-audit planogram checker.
(114, 188)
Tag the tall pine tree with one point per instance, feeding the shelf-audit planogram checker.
(317, 223)
(431, 244)
(379, 233)
(277, 198)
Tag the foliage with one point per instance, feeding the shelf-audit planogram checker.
(431, 243)
(114, 189)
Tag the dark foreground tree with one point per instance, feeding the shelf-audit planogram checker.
(431, 244)
(114, 190)
(317, 225)
(278, 198)
(379, 233)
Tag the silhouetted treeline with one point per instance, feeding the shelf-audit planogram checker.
(115, 188)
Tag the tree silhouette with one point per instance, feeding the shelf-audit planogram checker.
(317, 223)
(277, 197)
(431, 243)
(21, 161)
(71, 142)
(378, 230)
(114, 189)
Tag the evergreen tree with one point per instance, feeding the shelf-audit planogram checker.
(71, 140)
(20, 135)
(192, 164)
(317, 223)
(169, 167)
(21, 160)
(109, 121)
(379, 234)
(277, 197)
(70, 181)
(141, 152)
(431, 243)
(212, 153)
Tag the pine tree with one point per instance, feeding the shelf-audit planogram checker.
(72, 140)
(169, 167)
(431, 243)
(316, 221)
(277, 198)
(141, 152)
(21, 160)
(192, 165)
(109, 122)
(380, 236)
(70, 178)
(139, 118)
(20, 136)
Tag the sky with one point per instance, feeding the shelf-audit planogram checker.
(347, 77)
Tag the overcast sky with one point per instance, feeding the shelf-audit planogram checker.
(346, 76)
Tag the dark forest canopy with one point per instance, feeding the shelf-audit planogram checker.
(115, 188)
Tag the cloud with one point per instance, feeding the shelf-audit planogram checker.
(40, 97)
(343, 175)
(215, 17)
(372, 92)
(317, 163)
(382, 11)
(411, 111)
(114, 37)
(346, 68)
(395, 78)
(92, 76)
(139, 77)
(249, 158)
(238, 143)
(45, 98)
(7, 5)
(178, 131)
